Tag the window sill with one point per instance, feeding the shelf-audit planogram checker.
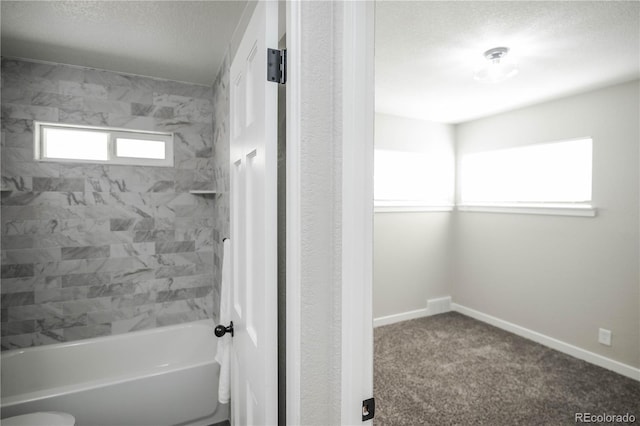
(405, 209)
(551, 209)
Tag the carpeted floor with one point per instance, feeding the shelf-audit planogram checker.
(450, 369)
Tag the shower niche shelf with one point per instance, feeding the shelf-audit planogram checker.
(202, 192)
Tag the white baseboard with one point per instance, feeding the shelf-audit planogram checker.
(402, 316)
(591, 357)
(439, 305)
(434, 306)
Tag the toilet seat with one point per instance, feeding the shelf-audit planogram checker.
(45, 418)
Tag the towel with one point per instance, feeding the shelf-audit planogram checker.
(224, 342)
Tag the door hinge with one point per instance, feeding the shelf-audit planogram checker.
(368, 409)
(277, 65)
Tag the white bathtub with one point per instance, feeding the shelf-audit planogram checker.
(163, 376)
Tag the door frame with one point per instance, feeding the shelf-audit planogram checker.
(356, 34)
(357, 208)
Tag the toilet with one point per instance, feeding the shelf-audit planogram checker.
(45, 418)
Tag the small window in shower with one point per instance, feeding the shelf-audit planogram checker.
(89, 144)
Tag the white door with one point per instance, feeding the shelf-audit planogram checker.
(254, 365)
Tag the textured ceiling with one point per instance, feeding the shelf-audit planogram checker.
(426, 53)
(176, 40)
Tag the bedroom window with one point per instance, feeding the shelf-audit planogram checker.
(557, 174)
(89, 144)
(412, 181)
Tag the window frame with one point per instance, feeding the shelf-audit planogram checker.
(114, 134)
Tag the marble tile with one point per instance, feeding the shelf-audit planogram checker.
(56, 100)
(18, 153)
(32, 339)
(186, 90)
(205, 280)
(60, 294)
(84, 306)
(15, 95)
(31, 255)
(18, 327)
(172, 259)
(164, 320)
(199, 306)
(178, 294)
(162, 186)
(61, 268)
(84, 117)
(29, 168)
(175, 246)
(58, 323)
(150, 110)
(134, 301)
(58, 184)
(105, 185)
(87, 252)
(134, 249)
(37, 312)
(29, 112)
(126, 93)
(24, 284)
(111, 264)
(44, 198)
(86, 332)
(17, 183)
(34, 84)
(16, 66)
(15, 271)
(117, 289)
(142, 321)
(17, 299)
(109, 316)
(107, 78)
(14, 227)
(134, 274)
(86, 90)
(192, 211)
(91, 279)
(69, 226)
(203, 237)
(134, 123)
(153, 235)
(175, 271)
(181, 124)
(132, 224)
(106, 106)
(18, 132)
(56, 72)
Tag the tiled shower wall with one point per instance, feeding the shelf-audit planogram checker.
(92, 250)
(221, 141)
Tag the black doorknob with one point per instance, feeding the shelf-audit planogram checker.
(221, 330)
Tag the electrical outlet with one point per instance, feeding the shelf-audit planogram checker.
(604, 336)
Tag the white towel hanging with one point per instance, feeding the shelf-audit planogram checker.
(224, 342)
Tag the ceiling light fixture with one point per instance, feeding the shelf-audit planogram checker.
(497, 68)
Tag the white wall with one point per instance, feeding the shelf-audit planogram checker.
(411, 250)
(410, 259)
(561, 276)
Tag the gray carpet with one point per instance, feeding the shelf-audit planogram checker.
(451, 369)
